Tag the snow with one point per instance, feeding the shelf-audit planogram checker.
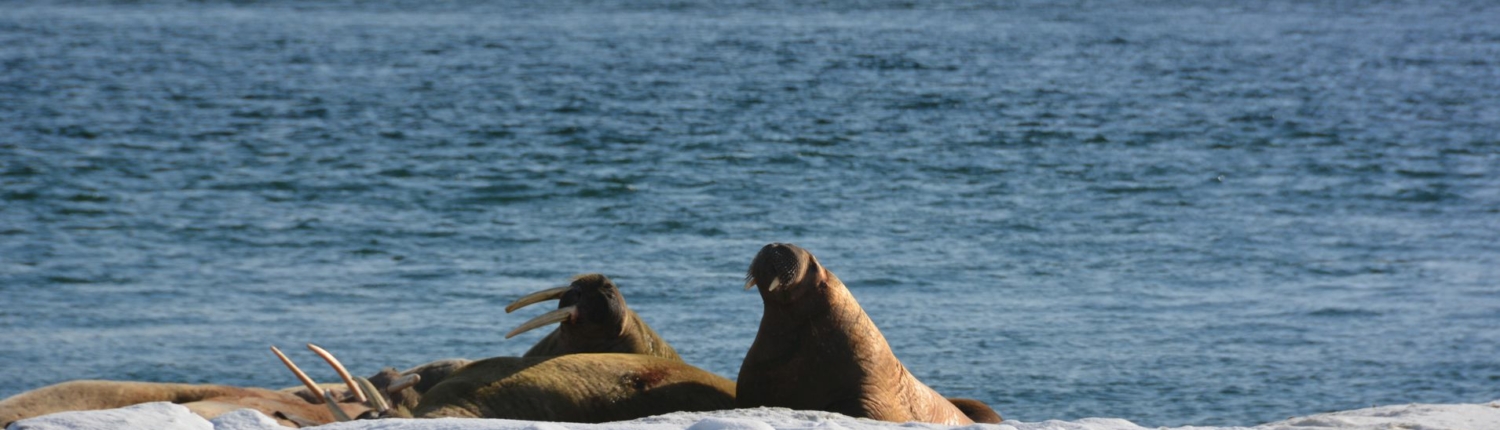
(160, 415)
(167, 416)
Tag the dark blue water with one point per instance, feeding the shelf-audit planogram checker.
(1170, 212)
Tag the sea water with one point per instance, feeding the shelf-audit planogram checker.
(1169, 212)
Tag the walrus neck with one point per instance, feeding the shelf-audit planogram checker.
(830, 347)
(646, 340)
(844, 311)
(633, 337)
(596, 337)
(785, 323)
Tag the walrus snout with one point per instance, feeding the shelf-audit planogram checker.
(779, 265)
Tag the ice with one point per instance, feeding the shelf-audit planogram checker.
(167, 416)
(161, 415)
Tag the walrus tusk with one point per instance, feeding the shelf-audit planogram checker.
(775, 283)
(404, 382)
(377, 401)
(312, 386)
(343, 373)
(338, 414)
(750, 282)
(539, 296)
(557, 316)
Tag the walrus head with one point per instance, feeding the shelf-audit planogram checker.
(591, 303)
(387, 394)
(784, 272)
(592, 317)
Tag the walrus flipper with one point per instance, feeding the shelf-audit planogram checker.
(976, 410)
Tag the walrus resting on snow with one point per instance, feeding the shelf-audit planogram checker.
(816, 349)
(315, 404)
(206, 400)
(594, 318)
(585, 388)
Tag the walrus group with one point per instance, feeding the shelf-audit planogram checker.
(816, 349)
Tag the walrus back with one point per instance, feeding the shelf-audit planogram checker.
(586, 388)
(84, 395)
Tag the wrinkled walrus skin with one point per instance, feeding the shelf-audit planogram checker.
(206, 400)
(817, 349)
(583, 388)
(602, 322)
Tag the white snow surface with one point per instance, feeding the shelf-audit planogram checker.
(167, 416)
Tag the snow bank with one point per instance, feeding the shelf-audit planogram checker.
(167, 416)
(161, 415)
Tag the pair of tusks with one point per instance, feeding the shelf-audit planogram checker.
(775, 283)
(560, 315)
(359, 388)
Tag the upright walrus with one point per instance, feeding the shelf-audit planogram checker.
(816, 349)
(593, 318)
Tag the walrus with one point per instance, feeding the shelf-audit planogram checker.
(593, 318)
(584, 388)
(816, 349)
(386, 394)
(206, 400)
(402, 398)
(307, 405)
